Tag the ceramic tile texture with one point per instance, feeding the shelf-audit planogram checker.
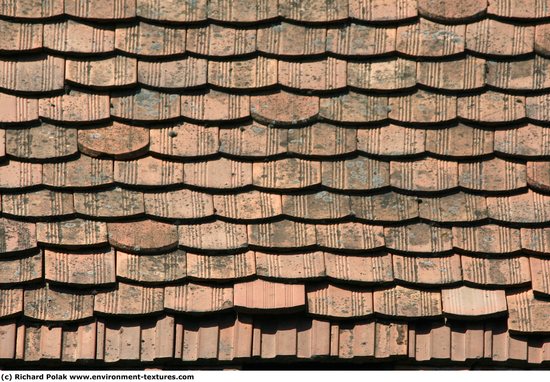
(234, 182)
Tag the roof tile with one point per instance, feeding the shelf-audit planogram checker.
(42, 142)
(148, 171)
(269, 296)
(460, 74)
(459, 140)
(542, 39)
(242, 10)
(350, 236)
(181, 204)
(321, 205)
(528, 140)
(458, 207)
(427, 270)
(74, 37)
(19, 175)
(424, 175)
(117, 139)
(429, 39)
(392, 74)
(392, 140)
(487, 239)
(184, 140)
(142, 39)
(327, 74)
(47, 304)
(11, 302)
(375, 268)
(497, 38)
(290, 173)
(540, 271)
(90, 268)
(32, 9)
(248, 205)
(527, 314)
(16, 109)
(360, 40)
(419, 303)
(214, 106)
(101, 9)
(382, 10)
(82, 172)
(21, 36)
(217, 40)
(143, 236)
(307, 265)
(284, 108)
(172, 10)
(21, 270)
(164, 267)
(220, 173)
(16, 236)
(496, 272)
(37, 74)
(253, 139)
(492, 107)
(536, 240)
(389, 206)
(529, 207)
(221, 267)
(146, 105)
(43, 203)
(527, 74)
(355, 174)
(258, 72)
(538, 175)
(217, 235)
(284, 39)
(322, 139)
(75, 107)
(72, 233)
(282, 234)
(129, 299)
(194, 298)
(522, 9)
(470, 302)
(537, 108)
(354, 108)
(115, 202)
(185, 73)
(422, 107)
(447, 10)
(342, 302)
(419, 237)
(103, 73)
(313, 10)
(492, 175)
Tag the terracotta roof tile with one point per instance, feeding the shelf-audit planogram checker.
(427, 270)
(129, 299)
(17, 236)
(307, 265)
(21, 36)
(47, 304)
(430, 39)
(221, 267)
(142, 39)
(396, 73)
(214, 106)
(313, 10)
(14, 174)
(31, 8)
(420, 303)
(43, 203)
(101, 9)
(393, 140)
(389, 206)
(37, 74)
(258, 72)
(248, 205)
(529, 207)
(75, 107)
(447, 10)
(422, 107)
(142, 236)
(535, 239)
(542, 41)
(115, 202)
(284, 108)
(355, 174)
(42, 142)
(492, 175)
(213, 236)
(321, 205)
(470, 302)
(11, 302)
(74, 37)
(460, 74)
(527, 314)
(282, 234)
(375, 268)
(117, 139)
(492, 107)
(325, 74)
(150, 268)
(17, 109)
(518, 9)
(90, 268)
(112, 72)
(146, 105)
(184, 140)
(290, 173)
(343, 302)
(354, 107)
(537, 108)
(322, 139)
(172, 10)
(148, 171)
(21, 269)
(494, 37)
(382, 10)
(253, 139)
(217, 40)
(424, 175)
(487, 239)
(496, 272)
(419, 237)
(181, 204)
(538, 175)
(528, 140)
(458, 207)
(220, 173)
(185, 73)
(194, 298)
(81, 172)
(43, 343)
(357, 39)
(72, 233)
(286, 39)
(521, 75)
(460, 140)
(264, 295)
(242, 10)
(2, 143)
(350, 236)
(540, 272)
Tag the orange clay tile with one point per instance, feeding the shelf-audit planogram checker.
(538, 175)
(16, 236)
(220, 173)
(81, 172)
(282, 234)
(459, 140)
(326, 74)
(172, 10)
(14, 174)
(430, 39)
(424, 175)
(269, 296)
(313, 10)
(360, 40)
(309, 265)
(329, 300)
(460, 74)
(355, 174)
(487, 239)
(146, 105)
(14, 109)
(284, 39)
(350, 236)
(42, 142)
(253, 139)
(321, 205)
(74, 37)
(215, 106)
(248, 205)
(382, 10)
(43, 203)
(89, 268)
(542, 39)
(31, 8)
(492, 107)
(107, 73)
(492, 175)
(20, 36)
(422, 107)
(142, 39)
(72, 233)
(252, 73)
(373, 269)
(283, 108)
(419, 303)
(221, 267)
(217, 235)
(217, 40)
(290, 173)
(529, 207)
(528, 140)
(49, 304)
(457, 207)
(129, 299)
(447, 10)
(540, 273)
(75, 107)
(537, 108)
(11, 302)
(391, 140)
(322, 139)
(148, 171)
(519, 9)
(143, 236)
(496, 272)
(470, 302)
(494, 37)
(21, 270)
(142, 268)
(521, 75)
(117, 139)
(242, 10)
(354, 107)
(194, 298)
(116, 202)
(184, 140)
(527, 313)
(427, 270)
(389, 206)
(535, 240)
(392, 74)
(182, 204)
(419, 237)
(101, 9)
(39, 74)
(2, 143)
(186, 73)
